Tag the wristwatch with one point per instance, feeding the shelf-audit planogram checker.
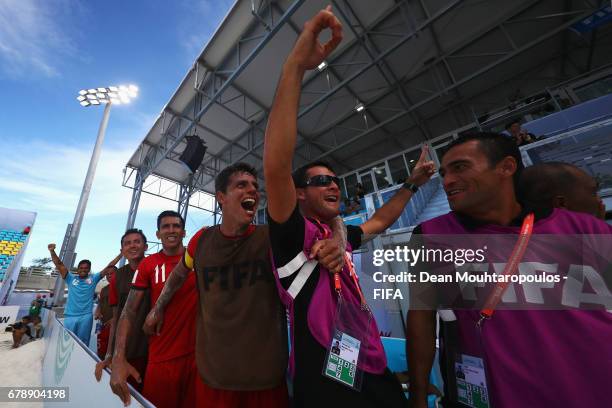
(411, 186)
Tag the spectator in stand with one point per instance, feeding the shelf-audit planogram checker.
(561, 185)
(37, 327)
(35, 306)
(22, 331)
(520, 135)
(350, 206)
(26, 230)
(78, 315)
(356, 205)
(360, 191)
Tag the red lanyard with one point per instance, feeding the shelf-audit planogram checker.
(511, 268)
(351, 267)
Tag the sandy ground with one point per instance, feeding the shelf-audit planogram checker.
(20, 367)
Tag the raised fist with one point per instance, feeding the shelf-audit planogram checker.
(308, 52)
(51, 247)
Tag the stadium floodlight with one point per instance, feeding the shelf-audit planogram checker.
(88, 97)
(322, 66)
(117, 95)
(359, 107)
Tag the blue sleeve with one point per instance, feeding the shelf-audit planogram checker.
(69, 277)
(97, 277)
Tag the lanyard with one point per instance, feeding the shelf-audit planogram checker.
(351, 267)
(510, 269)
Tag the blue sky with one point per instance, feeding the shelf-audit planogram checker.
(51, 49)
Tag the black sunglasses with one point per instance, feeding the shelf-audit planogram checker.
(322, 181)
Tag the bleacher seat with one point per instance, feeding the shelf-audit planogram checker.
(395, 350)
(11, 243)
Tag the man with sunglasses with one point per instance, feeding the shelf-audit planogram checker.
(299, 208)
(241, 342)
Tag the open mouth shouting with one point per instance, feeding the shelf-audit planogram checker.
(248, 204)
(331, 198)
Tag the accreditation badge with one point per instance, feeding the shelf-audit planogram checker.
(471, 382)
(343, 356)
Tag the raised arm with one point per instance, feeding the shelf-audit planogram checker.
(386, 215)
(281, 131)
(121, 369)
(57, 262)
(110, 265)
(155, 319)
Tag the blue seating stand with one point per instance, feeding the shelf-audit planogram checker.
(395, 350)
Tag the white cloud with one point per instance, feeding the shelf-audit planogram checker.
(55, 182)
(32, 38)
(48, 180)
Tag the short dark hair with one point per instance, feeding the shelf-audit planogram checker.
(540, 183)
(222, 179)
(84, 261)
(495, 146)
(300, 176)
(134, 231)
(169, 213)
(512, 122)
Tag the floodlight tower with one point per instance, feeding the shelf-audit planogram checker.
(113, 95)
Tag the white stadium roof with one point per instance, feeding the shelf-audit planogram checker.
(421, 69)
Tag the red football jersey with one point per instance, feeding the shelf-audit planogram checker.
(177, 337)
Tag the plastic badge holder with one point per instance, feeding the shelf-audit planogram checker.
(345, 352)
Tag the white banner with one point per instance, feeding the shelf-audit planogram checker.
(67, 364)
(8, 314)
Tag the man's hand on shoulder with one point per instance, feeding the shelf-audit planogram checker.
(330, 254)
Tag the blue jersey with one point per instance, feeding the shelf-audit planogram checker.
(80, 294)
